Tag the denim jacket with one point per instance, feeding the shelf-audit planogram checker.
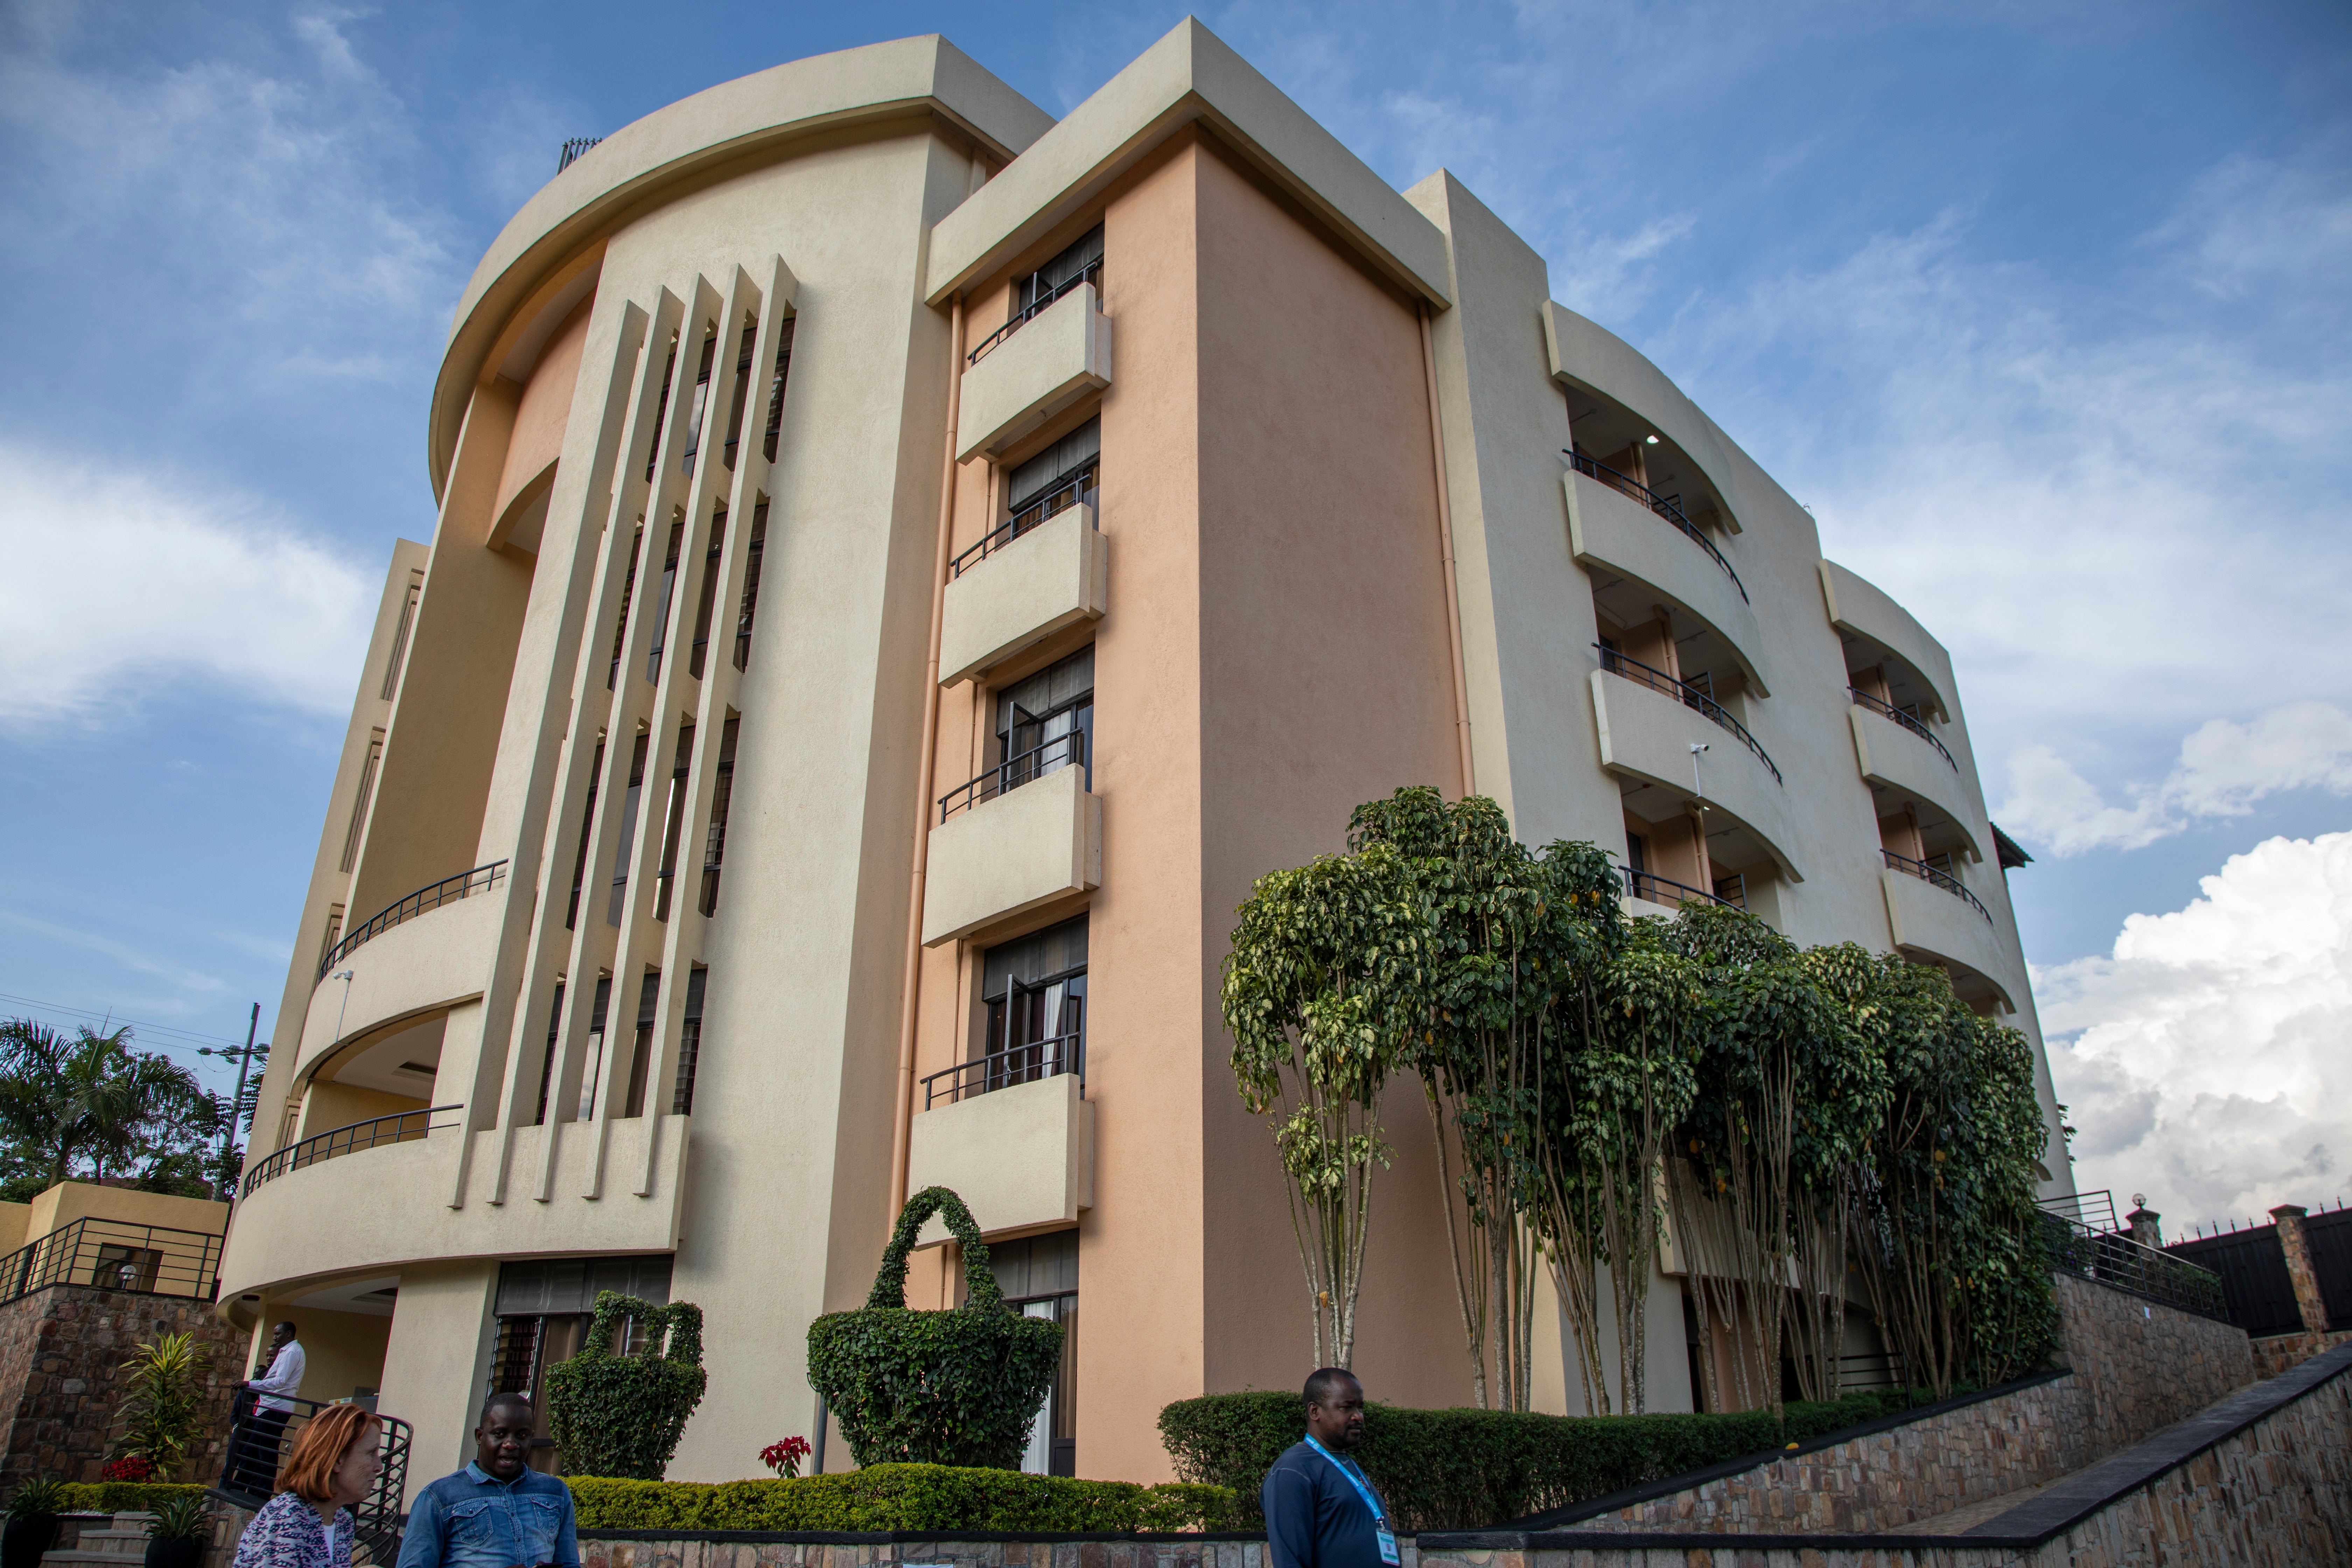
(472, 1519)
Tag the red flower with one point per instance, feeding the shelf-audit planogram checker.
(129, 1468)
(784, 1457)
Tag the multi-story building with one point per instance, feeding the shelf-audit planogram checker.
(904, 566)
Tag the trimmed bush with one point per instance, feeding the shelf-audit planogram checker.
(1461, 1469)
(622, 1415)
(122, 1497)
(902, 1497)
(957, 1387)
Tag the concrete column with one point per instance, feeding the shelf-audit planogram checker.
(2298, 1247)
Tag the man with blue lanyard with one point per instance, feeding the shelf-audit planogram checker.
(497, 1512)
(1321, 1510)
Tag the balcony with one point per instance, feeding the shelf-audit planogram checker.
(1859, 609)
(404, 1128)
(1932, 913)
(1037, 365)
(1019, 586)
(437, 955)
(1015, 1139)
(1904, 762)
(1652, 729)
(448, 891)
(1019, 836)
(1619, 529)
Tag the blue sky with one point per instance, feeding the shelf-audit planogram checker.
(2042, 308)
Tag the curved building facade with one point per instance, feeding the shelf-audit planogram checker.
(904, 566)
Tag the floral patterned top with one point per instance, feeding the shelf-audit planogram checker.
(287, 1533)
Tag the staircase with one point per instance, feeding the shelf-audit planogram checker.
(122, 1543)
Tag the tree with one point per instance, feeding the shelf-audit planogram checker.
(89, 1106)
(1319, 992)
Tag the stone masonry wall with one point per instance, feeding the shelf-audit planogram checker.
(61, 1354)
(1131, 1552)
(2276, 1354)
(2145, 1365)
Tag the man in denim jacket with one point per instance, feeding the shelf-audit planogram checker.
(497, 1512)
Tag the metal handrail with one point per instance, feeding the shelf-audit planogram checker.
(406, 1127)
(448, 890)
(1665, 506)
(1014, 771)
(573, 149)
(2115, 1260)
(109, 1255)
(1690, 695)
(1093, 274)
(1887, 709)
(1636, 882)
(255, 1450)
(2086, 1208)
(1019, 524)
(1038, 1059)
(1944, 879)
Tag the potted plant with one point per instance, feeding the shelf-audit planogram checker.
(32, 1524)
(176, 1534)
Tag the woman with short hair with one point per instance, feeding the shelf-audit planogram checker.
(309, 1523)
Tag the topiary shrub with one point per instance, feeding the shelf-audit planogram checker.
(957, 1387)
(902, 1497)
(622, 1415)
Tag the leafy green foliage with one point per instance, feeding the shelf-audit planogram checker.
(89, 1107)
(122, 1497)
(163, 1409)
(37, 1498)
(622, 1415)
(902, 1497)
(1462, 1469)
(956, 1387)
(180, 1518)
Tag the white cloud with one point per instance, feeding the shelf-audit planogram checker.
(119, 583)
(2209, 1069)
(2223, 769)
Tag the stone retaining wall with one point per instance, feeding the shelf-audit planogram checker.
(2276, 1352)
(61, 1354)
(2143, 1364)
(748, 1550)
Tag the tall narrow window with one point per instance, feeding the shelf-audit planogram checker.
(400, 634)
(1081, 263)
(628, 593)
(628, 832)
(648, 1009)
(547, 1063)
(701, 398)
(776, 387)
(742, 392)
(722, 792)
(587, 821)
(1034, 989)
(334, 934)
(709, 600)
(1047, 723)
(360, 801)
(689, 1045)
(595, 1049)
(751, 606)
(673, 819)
(1063, 476)
(1039, 1276)
(661, 610)
(661, 409)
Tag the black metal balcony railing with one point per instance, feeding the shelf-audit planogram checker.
(1062, 752)
(1667, 507)
(1689, 695)
(151, 1259)
(261, 1441)
(1093, 275)
(1887, 709)
(1941, 878)
(1058, 500)
(572, 151)
(1044, 1058)
(2116, 1260)
(405, 1128)
(1653, 889)
(448, 891)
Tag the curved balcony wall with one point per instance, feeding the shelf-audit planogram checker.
(1647, 735)
(1589, 356)
(434, 960)
(1895, 758)
(376, 1209)
(1612, 532)
(1938, 923)
(1862, 609)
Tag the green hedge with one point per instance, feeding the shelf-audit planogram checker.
(122, 1497)
(900, 1497)
(1461, 1469)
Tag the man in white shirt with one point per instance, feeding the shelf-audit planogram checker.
(274, 1388)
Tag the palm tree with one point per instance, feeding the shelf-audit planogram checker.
(88, 1105)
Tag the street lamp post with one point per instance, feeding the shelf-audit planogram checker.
(244, 1065)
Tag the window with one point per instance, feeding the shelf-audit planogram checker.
(1081, 263)
(742, 392)
(360, 801)
(126, 1268)
(1063, 475)
(400, 634)
(1039, 1276)
(1047, 723)
(750, 586)
(587, 821)
(776, 387)
(711, 559)
(1034, 990)
(722, 794)
(543, 1307)
(640, 1066)
(661, 609)
(621, 621)
(689, 1045)
(334, 933)
(629, 839)
(701, 398)
(595, 1049)
(554, 1028)
(673, 819)
(661, 409)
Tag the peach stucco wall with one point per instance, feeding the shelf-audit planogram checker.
(545, 408)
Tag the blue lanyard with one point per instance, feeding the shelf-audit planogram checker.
(1379, 1515)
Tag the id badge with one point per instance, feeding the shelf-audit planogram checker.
(1387, 1546)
